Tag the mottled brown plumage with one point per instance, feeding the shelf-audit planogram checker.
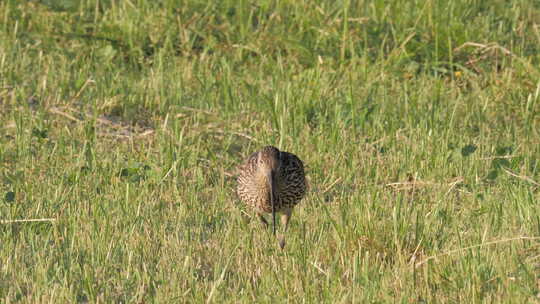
(272, 181)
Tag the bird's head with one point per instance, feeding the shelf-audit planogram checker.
(269, 164)
(269, 160)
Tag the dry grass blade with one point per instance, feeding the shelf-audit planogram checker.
(110, 126)
(190, 109)
(498, 157)
(523, 177)
(475, 246)
(229, 174)
(250, 138)
(329, 187)
(485, 47)
(64, 114)
(416, 183)
(27, 221)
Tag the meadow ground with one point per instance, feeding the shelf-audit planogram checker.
(121, 123)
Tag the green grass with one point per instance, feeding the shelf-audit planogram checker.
(418, 122)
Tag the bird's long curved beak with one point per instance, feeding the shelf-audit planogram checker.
(270, 181)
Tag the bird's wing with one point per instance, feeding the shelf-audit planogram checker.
(292, 162)
(247, 164)
(294, 176)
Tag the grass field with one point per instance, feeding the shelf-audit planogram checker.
(122, 122)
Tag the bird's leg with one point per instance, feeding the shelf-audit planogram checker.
(263, 220)
(285, 217)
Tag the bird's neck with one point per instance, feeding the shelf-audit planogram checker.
(263, 186)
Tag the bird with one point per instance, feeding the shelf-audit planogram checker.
(272, 181)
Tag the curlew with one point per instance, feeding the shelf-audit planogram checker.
(272, 181)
